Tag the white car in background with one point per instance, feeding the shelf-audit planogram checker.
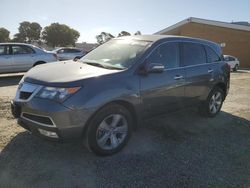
(69, 53)
(232, 61)
(19, 57)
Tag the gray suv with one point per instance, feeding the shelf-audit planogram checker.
(104, 96)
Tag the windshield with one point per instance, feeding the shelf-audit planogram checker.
(117, 54)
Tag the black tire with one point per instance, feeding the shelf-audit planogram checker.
(205, 106)
(94, 124)
(236, 67)
(38, 63)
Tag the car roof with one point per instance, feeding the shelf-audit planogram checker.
(228, 56)
(15, 43)
(67, 48)
(156, 38)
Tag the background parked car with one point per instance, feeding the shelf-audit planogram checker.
(18, 57)
(69, 53)
(232, 61)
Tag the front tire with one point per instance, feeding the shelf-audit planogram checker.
(109, 130)
(236, 67)
(213, 104)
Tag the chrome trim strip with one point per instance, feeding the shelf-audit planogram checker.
(27, 87)
(181, 41)
(192, 66)
(42, 124)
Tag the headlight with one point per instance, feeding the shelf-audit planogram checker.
(57, 94)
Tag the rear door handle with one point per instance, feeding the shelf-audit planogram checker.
(210, 70)
(177, 77)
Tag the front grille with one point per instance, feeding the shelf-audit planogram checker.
(38, 119)
(24, 95)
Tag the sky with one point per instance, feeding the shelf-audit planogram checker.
(90, 17)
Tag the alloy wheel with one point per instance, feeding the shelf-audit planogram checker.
(215, 102)
(112, 131)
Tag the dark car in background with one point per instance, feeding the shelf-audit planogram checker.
(105, 95)
(69, 53)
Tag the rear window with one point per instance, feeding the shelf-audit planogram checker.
(211, 55)
(231, 58)
(193, 54)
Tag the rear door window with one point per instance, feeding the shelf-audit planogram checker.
(19, 49)
(193, 54)
(71, 50)
(166, 54)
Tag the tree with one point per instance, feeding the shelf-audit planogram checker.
(60, 35)
(137, 33)
(28, 32)
(103, 37)
(4, 35)
(123, 33)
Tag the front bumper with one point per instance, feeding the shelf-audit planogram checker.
(38, 114)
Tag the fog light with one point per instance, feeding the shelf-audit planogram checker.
(48, 133)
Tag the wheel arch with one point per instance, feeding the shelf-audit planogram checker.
(129, 106)
(38, 63)
(222, 86)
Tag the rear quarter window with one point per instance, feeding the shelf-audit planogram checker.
(212, 56)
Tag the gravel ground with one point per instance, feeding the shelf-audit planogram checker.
(167, 151)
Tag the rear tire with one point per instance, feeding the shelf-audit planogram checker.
(212, 106)
(109, 130)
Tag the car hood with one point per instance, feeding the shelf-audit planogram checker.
(64, 72)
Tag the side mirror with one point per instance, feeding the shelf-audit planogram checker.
(155, 68)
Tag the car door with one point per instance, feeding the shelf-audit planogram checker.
(162, 92)
(22, 57)
(198, 72)
(71, 53)
(64, 54)
(5, 59)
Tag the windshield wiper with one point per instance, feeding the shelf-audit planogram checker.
(102, 66)
(95, 64)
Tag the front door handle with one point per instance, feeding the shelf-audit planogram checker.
(210, 70)
(178, 77)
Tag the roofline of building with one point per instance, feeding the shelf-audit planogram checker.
(204, 21)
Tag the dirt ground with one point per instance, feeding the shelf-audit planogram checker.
(177, 150)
